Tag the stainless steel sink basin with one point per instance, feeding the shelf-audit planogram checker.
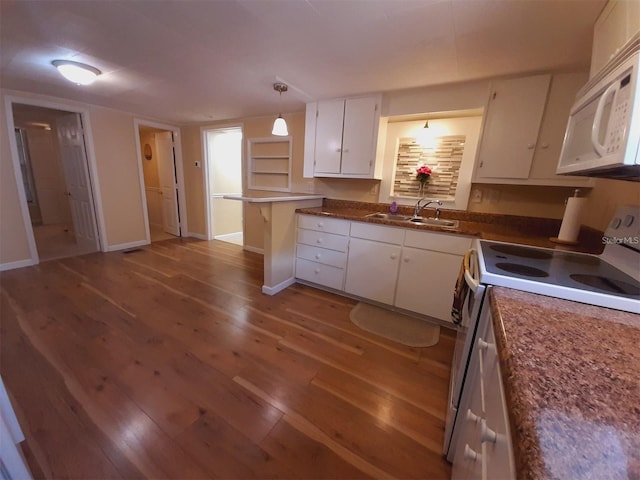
(390, 216)
(436, 222)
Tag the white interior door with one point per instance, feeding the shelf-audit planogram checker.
(73, 156)
(168, 186)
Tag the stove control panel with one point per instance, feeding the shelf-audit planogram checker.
(624, 228)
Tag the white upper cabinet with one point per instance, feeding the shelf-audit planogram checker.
(511, 126)
(523, 131)
(616, 25)
(341, 137)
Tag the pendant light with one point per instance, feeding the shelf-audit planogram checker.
(280, 125)
(76, 72)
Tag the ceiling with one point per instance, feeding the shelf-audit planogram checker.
(201, 60)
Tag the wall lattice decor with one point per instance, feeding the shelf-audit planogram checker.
(444, 158)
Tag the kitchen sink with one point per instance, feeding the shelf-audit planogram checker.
(390, 216)
(434, 222)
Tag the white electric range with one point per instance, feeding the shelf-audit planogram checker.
(610, 280)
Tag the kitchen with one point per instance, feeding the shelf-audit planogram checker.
(123, 226)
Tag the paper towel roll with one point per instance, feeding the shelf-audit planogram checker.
(570, 227)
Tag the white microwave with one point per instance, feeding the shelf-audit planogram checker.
(603, 133)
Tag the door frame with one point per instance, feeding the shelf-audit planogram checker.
(94, 182)
(208, 227)
(177, 158)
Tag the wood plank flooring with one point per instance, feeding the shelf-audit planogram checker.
(169, 362)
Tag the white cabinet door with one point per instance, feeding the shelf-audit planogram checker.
(426, 282)
(469, 459)
(618, 22)
(372, 269)
(358, 141)
(561, 97)
(511, 127)
(328, 149)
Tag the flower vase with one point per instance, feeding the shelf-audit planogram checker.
(421, 189)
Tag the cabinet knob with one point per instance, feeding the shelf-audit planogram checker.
(316, 271)
(319, 240)
(406, 259)
(544, 145)
(320, 225)
(472, 417)
(486, 434)
(394, 256)
(530, 146)
(318, 256)
(345, 150)
(469, 453)
(338, 150)
(486, 346)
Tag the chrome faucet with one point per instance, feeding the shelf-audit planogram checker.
(418, 208)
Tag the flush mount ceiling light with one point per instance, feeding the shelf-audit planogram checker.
(76, 72)
(280, 126)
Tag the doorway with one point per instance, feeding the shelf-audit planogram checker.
(54, 169)
(159, 178)
(223, 147)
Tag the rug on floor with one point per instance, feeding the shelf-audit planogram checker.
(394, 326)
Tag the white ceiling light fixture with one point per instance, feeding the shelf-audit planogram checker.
(280, 125)
(76, 72)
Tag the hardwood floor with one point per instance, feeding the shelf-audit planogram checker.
(169, 362)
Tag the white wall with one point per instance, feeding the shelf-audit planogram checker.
(114, 156)
(468, 126)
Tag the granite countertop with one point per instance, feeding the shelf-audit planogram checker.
(572, 386)
(502, 228)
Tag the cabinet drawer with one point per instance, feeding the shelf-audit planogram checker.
(439, 242)
(322, 255)
(377, 233)
(324, 224)
(326, 275)
(324, 240)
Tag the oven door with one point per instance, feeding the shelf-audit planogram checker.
(471, 306)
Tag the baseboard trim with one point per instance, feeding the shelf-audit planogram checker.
(17, 264)
(225, 235)
(249, 248)
(124, 246)
(199, 236)
(279, 287)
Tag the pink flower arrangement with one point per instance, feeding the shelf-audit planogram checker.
(423, 173)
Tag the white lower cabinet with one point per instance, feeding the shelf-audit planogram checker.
(409, 269)
(426, 282)
(483, 447)
(321, 250)
(372, 268)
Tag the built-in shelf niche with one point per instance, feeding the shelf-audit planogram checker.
(269, 163)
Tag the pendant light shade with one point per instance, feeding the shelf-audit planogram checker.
(76, 72)
(280, 125)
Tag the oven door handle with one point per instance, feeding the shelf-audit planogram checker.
(468, 276)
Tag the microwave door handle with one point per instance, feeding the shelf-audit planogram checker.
(595, 128)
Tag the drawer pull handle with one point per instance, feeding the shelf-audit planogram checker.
(472, 417)
(486, 434)
(469, 453)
